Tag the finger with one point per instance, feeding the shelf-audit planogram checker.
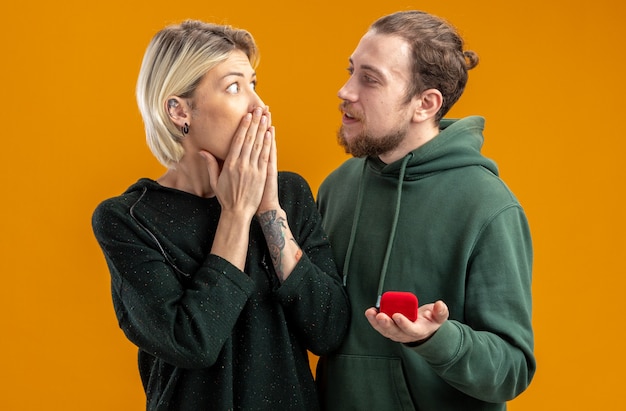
(371, 312)
(213, 168)
(270, 154)
(401, 321)
(384, 322)
(424, 310)
(260, 153)
(240, 136)
(268, 113)
(252, 135)
(440, 312)
(386, 326)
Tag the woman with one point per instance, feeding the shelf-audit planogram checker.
(221, 273)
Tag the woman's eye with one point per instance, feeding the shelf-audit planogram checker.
(233, 88)
(253, 85)
(350, 70)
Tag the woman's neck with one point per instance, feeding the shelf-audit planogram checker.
(190, 178)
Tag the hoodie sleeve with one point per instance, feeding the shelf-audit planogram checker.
(315, 301)
(489, 355)
(183, 322)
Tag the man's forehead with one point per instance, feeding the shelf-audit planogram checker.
(382, 53)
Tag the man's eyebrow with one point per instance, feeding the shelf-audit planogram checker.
(368, 67)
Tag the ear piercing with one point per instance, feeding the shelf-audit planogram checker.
(171, 103)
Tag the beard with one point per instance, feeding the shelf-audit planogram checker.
(367, 145)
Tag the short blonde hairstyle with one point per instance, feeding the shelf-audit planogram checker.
(174, 63)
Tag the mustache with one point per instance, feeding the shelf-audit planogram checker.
(344, 108)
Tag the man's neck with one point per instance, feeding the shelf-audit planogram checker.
(414, 139)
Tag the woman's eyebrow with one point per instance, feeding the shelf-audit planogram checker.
(238, 74)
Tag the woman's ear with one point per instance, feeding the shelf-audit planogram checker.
(176, 110)
(429, 103)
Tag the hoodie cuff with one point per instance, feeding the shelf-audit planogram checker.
(443, 345)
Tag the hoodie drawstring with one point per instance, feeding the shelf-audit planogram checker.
(392, 232)
(355, 220)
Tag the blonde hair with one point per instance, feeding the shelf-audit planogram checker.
(174, 63)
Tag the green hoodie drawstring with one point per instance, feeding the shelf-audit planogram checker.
(355, 220)
(392, 233)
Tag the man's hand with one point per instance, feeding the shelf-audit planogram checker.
(402, 330)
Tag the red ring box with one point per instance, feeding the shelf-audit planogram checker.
(402, 302)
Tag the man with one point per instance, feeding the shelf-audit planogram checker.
(419, 209)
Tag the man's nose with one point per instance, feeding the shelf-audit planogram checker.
(346, 92)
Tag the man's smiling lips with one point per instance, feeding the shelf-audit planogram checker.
(347, 117)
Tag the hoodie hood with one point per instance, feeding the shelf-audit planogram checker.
(457, 145)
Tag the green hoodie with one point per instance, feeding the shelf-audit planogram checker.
(441, 224)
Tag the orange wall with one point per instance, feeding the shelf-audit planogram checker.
(550, 84)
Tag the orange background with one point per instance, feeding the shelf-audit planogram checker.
(550, 83)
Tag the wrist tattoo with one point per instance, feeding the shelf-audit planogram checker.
(273, 227)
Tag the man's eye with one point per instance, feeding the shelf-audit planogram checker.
(233, 88)
(350, 70)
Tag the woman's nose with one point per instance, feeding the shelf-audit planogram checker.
(256, 101)
(255, 104)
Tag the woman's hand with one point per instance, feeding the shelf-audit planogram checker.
(284, 249)
(240, 184)
(269, 201)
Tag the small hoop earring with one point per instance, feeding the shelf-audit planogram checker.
(185, 129)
